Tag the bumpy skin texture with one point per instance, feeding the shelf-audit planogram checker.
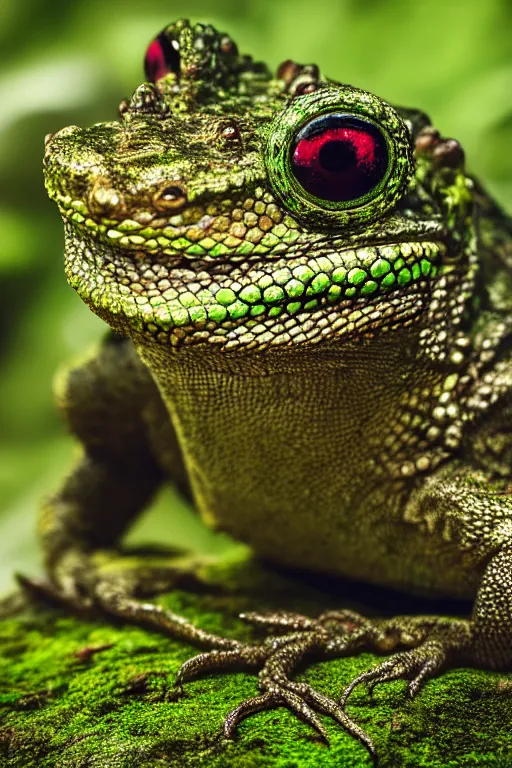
(331, 380)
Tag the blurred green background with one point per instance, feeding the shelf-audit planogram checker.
(66, 62)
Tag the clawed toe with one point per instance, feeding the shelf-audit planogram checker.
(246, 708)
(305, 702)
(279, 620)
(332, 709)
(342, 622)
(416, 665)
(429, 669)
(211, 661)
(271, 700)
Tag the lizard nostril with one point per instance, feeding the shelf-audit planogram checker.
(105, 199)
(170, 198)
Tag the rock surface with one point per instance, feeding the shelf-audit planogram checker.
(87, 692)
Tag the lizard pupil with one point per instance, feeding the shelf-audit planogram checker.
(162, 57)
(339, 157)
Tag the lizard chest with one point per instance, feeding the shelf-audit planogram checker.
(288, 455)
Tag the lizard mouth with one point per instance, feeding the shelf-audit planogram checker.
(252, 300)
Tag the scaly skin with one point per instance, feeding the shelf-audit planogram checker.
(328, 377)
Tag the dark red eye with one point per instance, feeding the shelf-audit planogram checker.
(162, 57)
(339, 157)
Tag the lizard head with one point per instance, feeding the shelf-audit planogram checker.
(234, 208)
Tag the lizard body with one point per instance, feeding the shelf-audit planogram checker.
(311, 306)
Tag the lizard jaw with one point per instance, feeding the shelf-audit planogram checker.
(253, 304)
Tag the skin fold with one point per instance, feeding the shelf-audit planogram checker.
(328, 377)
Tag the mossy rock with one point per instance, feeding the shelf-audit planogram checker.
(88, 692)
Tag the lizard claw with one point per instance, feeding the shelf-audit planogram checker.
(280, 620)
(416, 665)
(244, 709)
(271, 700)
(210, 661)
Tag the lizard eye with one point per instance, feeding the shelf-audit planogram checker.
(339, 157)
(162, 57)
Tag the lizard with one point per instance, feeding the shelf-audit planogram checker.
(309, 308)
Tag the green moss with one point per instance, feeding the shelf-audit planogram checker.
(90, 693)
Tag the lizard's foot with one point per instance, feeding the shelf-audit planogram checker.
(434, 643)
(431, 641)
(116, 582)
